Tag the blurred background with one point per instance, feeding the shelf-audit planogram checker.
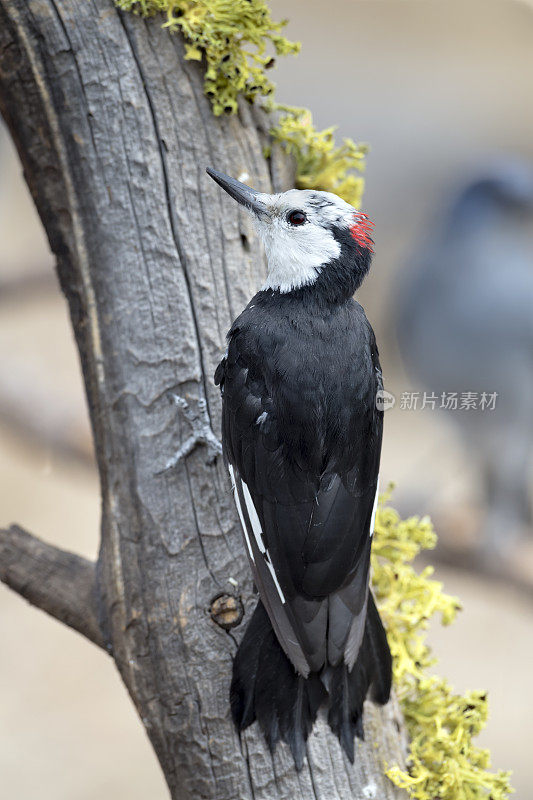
(442, 92)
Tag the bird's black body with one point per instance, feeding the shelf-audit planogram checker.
(310, 465)
(302, 439)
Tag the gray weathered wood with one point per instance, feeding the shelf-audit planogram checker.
(114, 133)
(61, 583)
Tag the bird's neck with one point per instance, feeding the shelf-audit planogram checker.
(330, 283)
(306, 300)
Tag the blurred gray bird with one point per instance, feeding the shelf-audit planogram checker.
(465, 324)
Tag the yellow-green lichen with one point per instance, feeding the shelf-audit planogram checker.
(320, 162)
(234, 37)
(443, 762)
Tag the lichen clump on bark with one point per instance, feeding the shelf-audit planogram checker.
(238, 41)
(443, 761)
(234, 37)
(320, 162)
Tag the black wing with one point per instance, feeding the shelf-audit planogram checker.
(305, 493)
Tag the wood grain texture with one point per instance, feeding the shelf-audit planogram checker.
(61, 583)
(114, 133)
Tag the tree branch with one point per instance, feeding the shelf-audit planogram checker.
(54, 580)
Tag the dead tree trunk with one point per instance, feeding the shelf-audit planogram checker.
(114, 133)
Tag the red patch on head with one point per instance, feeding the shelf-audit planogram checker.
(361, 230)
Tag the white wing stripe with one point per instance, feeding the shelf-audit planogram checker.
(374, 509)
(275, 578)
(254, 519)
(256, 528)
(239, 510)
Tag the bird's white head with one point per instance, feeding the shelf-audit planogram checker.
(311, 238)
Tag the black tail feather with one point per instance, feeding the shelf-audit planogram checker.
(348, 690)
(245, 668)
(381, 655)
(266, 688)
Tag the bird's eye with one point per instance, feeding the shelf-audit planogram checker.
(296, 217)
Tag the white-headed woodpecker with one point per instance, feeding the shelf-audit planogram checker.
(301, 435)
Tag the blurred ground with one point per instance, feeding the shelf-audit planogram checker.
(435, 87)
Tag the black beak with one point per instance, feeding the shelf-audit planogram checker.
(243, 194)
